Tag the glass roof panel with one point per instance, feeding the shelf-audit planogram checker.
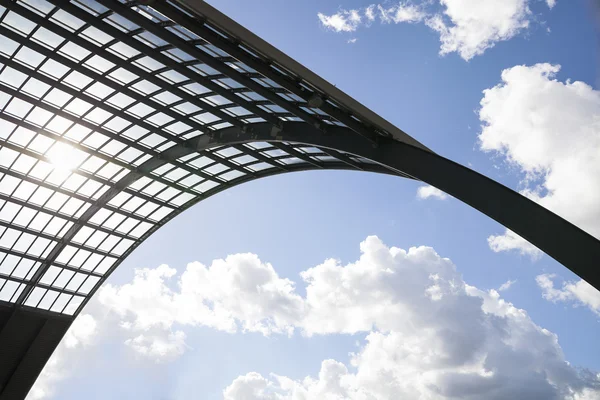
(103, 106)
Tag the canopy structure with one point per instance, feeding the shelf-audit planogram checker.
(116, 116)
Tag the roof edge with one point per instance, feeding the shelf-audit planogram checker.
(275, 55)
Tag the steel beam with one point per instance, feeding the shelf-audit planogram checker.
(561, 240)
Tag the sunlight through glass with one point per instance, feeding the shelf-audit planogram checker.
(63, 157)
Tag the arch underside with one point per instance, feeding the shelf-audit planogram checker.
(117, 116)
(116, 94)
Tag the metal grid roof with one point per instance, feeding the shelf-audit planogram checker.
(103, 105)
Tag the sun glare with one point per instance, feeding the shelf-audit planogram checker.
(63, 157)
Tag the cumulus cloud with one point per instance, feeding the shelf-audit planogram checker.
(576, 293)
(429, 334)
(386, 288)
(432, 336)
(550, 131)
(251, 386)
(425, 192)
(82, 333)
(470, 27)
(467, 27)
(237, 293)
(158, 347)
(379, 374)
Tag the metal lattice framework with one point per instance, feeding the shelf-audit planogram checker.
(115, 116)
(122, 90)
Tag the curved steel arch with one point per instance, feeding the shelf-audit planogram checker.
(162, 104)
(558, 238)
(229, 137)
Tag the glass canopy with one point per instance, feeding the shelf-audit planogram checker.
(101, 107)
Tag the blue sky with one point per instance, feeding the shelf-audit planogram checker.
(297, 221)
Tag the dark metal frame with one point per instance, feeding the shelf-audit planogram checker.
(163, 104)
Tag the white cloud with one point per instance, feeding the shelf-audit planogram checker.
(81, 334)
(158, 347)
(545, 282)
(370, 13)
(385, 370)
(385, 289)
(402, 12)
(506, 285)
(430, 335)
(251, 386)
(351, 20)
(238, 293)
(470, 27)
(511, 241)
(147, 294)
(342, 21)
(550, 131)
(352, 41)
(578, 293)
(461, 343)
(467, 27)
(425, 192)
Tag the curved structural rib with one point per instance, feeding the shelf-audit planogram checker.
(563, 241)
(116, 116)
